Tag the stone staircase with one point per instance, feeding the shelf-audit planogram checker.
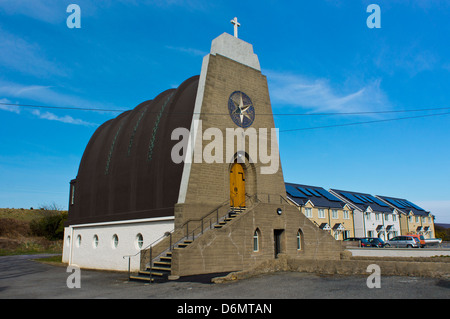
(160, 270)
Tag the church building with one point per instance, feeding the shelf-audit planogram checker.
(190, 182)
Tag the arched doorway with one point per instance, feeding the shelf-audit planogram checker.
(237, 185)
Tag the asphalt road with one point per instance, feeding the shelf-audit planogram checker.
(20, 277)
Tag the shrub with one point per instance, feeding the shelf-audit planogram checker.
(13, 228)
(50, 225)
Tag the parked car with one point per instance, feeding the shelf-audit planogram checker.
(421, 240)
(376, 242)
(362, 242)
(403, 241)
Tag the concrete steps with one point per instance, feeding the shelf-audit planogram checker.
(161, 269)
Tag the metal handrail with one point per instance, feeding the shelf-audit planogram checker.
(169, 234)
(217, 218)
(202, 224)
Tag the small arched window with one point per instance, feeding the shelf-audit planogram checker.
(78, 242)
(299, 239)
(95, 241)
(139, 241)
(115, 241)
(256, 236)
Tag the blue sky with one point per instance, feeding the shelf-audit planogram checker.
(318, 56)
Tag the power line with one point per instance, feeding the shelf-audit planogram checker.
(366, 122)
(63, 107)
(364, 112)
(274, 114)
(278, 114)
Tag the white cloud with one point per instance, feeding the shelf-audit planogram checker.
(9, 108)
(64, 119)
(190, 51)
(20, 55)
(51, 11)
(319, 95)
(47, 95)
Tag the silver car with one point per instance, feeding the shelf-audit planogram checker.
(403, 241)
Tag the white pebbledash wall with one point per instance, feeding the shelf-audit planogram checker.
(106, 255)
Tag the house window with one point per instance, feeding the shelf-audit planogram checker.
(346, 234)
(370, 233)
(321, 213)
(346, 215)
(334, 213)
(417, 219)
(256, 240)
(394, 218)
(377, 216)
(308, 212)
(367, 216)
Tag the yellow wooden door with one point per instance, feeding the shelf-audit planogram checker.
(237, 185)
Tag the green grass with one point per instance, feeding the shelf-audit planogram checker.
(52, 260)
(30, 246)
(26, 215)
(15, 235)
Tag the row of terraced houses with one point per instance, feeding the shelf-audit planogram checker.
(351, 214)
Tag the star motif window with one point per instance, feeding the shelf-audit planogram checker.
(241, 109)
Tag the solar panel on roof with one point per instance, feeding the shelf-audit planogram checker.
(400, 202)
(352, 198)
(327, 195)
(415, 206)
(361, 198)
(394, 203)
(313, 192)
(379, 202)
(405, 203)
(304, 191)
(294, 192)
(368, 198)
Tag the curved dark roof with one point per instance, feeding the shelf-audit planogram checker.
(126, 171)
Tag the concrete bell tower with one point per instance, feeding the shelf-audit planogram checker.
(232, 163)
(233, 146)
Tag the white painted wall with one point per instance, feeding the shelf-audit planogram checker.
(358, 222)
(105, 256)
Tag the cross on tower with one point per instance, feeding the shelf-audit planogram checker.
(236, 25)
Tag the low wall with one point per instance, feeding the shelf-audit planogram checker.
(398, 252)
(438, 268)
